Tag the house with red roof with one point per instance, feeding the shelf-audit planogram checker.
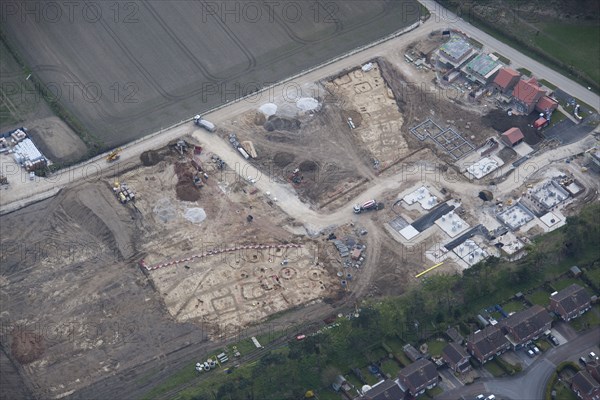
(526, 95)
(505, 80)
(512, 137)
(546, 104)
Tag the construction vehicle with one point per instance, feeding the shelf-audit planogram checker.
(209, 126)
(181, 147)
(296, 177)
(123, 192)
(369, 205)
(243, 152)
(114, 155)
(198, 181)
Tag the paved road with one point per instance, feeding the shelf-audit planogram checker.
(23, 194)
(530, 384)
(518, 59)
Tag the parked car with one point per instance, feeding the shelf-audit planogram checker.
(582, 360)
(593, 356)
(530, 353)
(491, 397)
(554, 340)
(535, 349)
(480, 397)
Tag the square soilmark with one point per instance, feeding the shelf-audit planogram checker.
(447, 139)
(425, 129)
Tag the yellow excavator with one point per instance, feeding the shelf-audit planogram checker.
(114, 155)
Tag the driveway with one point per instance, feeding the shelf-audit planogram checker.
(531, 383)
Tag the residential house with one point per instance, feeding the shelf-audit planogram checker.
(505, 80)
(456, 357)
(585, 386)
(593, 368)
(482, 68)
(526, 95)
(455, 51)
(512, 137)
(527, 325)
(571, 302)
(546, 104)
(418, 377)
(384, 390)
(453, 334)
(483, 345)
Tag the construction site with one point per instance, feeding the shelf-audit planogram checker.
(291, 209)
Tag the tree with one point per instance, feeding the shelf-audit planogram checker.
(329, 374)
(573, 242)
(391, 316)
(225, 391)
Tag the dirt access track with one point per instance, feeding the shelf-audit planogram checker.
(77, 306)
(95, 279)
(126, 69)
(73, 308)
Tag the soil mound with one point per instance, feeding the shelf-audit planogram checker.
(259, 119)
(282, 124)
(187, 191)
(185, 188)
(283, 159)
(27, 346)
(268, 109)
(486, 195)
(308, 104)
(150, 158)
(308, 166)
(164, 210)
(195, 215)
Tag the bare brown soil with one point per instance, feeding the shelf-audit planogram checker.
(27, 346)
(185, 188)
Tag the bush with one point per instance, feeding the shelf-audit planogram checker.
(550, 385)
(508, 368)
(567, 364)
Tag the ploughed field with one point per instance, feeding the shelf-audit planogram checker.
(126, 69)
